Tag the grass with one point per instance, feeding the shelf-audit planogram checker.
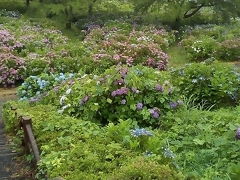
(178, 56)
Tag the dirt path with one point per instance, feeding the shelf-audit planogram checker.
(9, 167)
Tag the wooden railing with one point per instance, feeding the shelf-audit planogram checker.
(29, 140)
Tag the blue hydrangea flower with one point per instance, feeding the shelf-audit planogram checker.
(140, 132)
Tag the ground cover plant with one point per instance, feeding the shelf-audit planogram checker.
(92, 152)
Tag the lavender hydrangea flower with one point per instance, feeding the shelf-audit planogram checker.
(159, 88)
(140, 132)
(119, 92)
(155, 112)
(139, 106)
(173, 105)
(238, 134)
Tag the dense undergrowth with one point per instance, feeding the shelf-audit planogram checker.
(119, 104)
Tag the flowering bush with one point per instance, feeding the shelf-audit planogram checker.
(112, 45)
(11, 69)
(35, 50)
(207, 41)
(200, 49)
(215, 84)
(138, 93)
(34, 86)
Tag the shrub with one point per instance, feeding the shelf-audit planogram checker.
(72, 148)
(214, 84)
(35, 86)
(139, 93)
(142, 168)
(200, 49)
(11, 69)
(40, 50)
(111, 46)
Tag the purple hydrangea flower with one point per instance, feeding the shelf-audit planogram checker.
(119, 92)
(238, 134)
(173, 105)
(159, 88)
(114, 93)
(139, 106)
(155, 112)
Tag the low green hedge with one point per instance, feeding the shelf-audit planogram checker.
(76, 149)
(200, 144)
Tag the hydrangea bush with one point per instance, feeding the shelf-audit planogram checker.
(127, 45)
(207, 41)
(12, 69)
(139, 93)
(29, 49)
(214, 84)
(35, 86)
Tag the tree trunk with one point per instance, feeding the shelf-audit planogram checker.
(27, 2)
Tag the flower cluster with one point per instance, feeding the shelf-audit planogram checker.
(140, 132)
(119, 92)
(34, 86)
(175, 105)
(155, 112)
(115, 95)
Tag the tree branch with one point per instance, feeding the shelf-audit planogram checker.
(190, 14)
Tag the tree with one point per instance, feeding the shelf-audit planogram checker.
(188, 8)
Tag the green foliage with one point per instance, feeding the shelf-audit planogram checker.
(215, 84)
(146, 169)
(72, 148)
(200, 48)
(212, 41)
(205, 142)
